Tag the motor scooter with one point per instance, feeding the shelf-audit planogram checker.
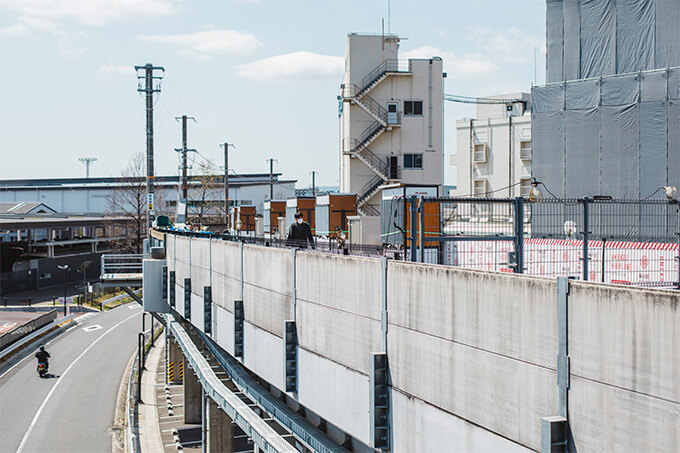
(42, 369)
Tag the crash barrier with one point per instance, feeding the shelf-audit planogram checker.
(263, 435)
(134, 386)
(25, 329)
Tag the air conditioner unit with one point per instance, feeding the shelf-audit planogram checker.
(525, 150)
(480, 188)
(480, 153)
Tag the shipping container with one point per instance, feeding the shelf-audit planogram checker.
(306, 205)
(272, 211)
(332, 211)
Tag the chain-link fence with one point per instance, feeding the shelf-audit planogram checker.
(631, 242)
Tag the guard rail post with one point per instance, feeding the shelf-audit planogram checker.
(519, 235)
(414, 226)
(586, 236)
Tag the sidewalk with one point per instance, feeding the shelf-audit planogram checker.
(149, 430)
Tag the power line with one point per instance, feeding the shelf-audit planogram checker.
(479, 100)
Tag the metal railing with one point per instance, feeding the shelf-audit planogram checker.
(368, 189)
(121, 264)
(632, 242)
(386, 66)
(134, 387)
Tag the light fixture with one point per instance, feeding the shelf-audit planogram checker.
(671, 192)
(535, 195)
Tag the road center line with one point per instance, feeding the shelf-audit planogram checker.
(47, 398)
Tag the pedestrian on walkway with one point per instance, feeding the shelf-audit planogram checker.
(300, 233)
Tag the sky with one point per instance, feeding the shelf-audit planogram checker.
(261, 74)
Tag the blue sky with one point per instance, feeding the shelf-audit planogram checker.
(262, 74)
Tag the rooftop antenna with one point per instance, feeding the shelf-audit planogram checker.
(389, 21)
(87, 161)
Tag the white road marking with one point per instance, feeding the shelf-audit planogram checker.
(86, 315)
(134, 307)
(49, 395)
(92, 328)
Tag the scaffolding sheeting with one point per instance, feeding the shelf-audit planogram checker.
(592, 38)
(614, 135)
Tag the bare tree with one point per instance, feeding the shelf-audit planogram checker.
(206, 206)
(129, 200)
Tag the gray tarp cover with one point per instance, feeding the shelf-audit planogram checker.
(617, 136)
(593, 38)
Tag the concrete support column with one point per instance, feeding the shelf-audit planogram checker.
(220, 430)
(193, 398)
(175, 361)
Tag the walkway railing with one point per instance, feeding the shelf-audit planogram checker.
(134, 387)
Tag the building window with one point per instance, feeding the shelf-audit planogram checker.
(480, 153)
(524, 187)
(480, 188)
(525, 150)
(413, 108)
(413, 161)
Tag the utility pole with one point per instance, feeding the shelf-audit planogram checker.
(271, 177)
(184, 184)
(226, 182)
(149, 90)
(314, 183)
(87, 161)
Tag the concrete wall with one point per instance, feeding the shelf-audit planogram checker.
(472, 354)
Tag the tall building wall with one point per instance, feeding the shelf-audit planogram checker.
(505, 136)
(416, 133)
(593, 38)
(615, 136)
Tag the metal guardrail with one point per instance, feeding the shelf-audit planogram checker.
(257, 429)
(134, 388)
(296, 423)
(121, 264)
(27, 328)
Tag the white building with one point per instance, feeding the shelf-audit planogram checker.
(390, 119)
(493, 150)
(92, 195)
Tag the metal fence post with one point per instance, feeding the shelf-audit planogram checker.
(586, 235)
(519, 235)
(414, 226)
(421, 231)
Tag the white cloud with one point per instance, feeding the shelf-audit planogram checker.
(117, 69)
(208, 42)
(513, 45)
(91, 12)
(67, 48)
(302, 65)
(469, 66)
(17, 29)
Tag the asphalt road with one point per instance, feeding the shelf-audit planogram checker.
(73, 409)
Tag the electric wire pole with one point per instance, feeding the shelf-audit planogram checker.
(226, 182)
(149, 90)
(271, 177)
(314, 182)
(184, 184)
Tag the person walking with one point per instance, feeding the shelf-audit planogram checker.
(300, 233)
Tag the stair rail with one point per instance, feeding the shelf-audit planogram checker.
(368, 189)
(384, 67)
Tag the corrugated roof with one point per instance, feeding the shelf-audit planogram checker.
(25, 207)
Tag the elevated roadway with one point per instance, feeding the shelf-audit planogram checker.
(73, 409)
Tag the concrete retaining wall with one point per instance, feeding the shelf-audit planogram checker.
(472, 354)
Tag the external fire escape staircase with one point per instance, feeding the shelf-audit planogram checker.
(383, 121)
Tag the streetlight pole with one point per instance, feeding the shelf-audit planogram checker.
(65, 268)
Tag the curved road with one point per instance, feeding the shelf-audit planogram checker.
(73, 410)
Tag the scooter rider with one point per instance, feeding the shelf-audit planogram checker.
(42, 356)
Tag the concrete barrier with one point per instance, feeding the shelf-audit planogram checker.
(472, 354)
